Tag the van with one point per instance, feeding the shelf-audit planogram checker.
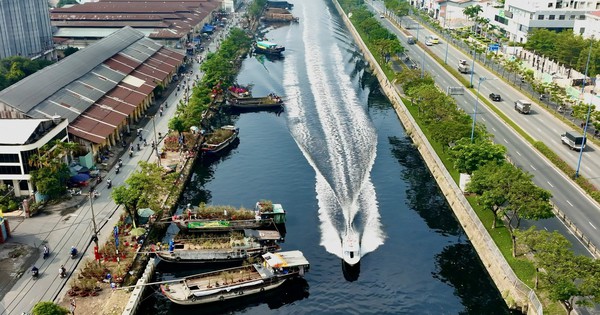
(432, 39)
(411, 40)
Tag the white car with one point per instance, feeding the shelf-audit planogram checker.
(428, 43)
(382, 16)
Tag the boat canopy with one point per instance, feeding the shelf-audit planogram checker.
(262, 235)
(266, 44)
(293, 258)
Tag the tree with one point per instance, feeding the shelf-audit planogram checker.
(451, 130)
(143, 189)
(468, 157)
(472, 11)
(49, 308)
(177, 124)
(565, 276)
(526, 201)
(70, 50)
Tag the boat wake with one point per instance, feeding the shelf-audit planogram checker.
(333, 131)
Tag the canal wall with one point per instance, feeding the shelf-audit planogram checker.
(514, 291)
(138, 290)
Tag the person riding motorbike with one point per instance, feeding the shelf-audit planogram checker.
(62, 272)
(35, 272)
(46, 252)
(73, 252)
(108, 183)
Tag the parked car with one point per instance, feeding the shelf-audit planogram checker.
(495, 97)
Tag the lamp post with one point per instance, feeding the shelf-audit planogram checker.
(587, 118)
(473, 67)
(481, 79)
(95, 235)
(447, 39)
(156, 142)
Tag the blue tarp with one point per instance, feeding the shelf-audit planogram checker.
(207, 28)
(80, 178)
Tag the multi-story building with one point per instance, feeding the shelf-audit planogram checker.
(526, 15)
(22, 139)
(25, 28)
(588, 27)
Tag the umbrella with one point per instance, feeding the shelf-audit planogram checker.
(137, 232)
(145, 212)
(80, 178)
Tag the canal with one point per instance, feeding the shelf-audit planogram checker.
(338, 159)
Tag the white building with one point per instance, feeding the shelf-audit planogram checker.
(588, 27)
(20, 140)
(450, 12)
(526, 15)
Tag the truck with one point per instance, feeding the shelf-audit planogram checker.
(523, 106)
(463, 67)
(574, 140)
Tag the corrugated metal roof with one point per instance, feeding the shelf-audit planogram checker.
(51, 79)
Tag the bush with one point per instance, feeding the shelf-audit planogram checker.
(49, 308)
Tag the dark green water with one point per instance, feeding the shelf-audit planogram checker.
(338, 156)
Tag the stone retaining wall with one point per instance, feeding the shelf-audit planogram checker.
(514, 292)
(138, 290)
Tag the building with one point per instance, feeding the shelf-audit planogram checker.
(524, 16)
(588, 27)
(101, 90)
(26, 136)
(450, 12)
(168, 22)
(25, 29)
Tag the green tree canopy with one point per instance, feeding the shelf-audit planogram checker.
(13, 69)
(468, 157)
(49, 308)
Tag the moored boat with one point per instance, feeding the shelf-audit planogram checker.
(225, 218)
(272, 101)
(217, 248)
(219, 139)
(237, 282)
(266, 47)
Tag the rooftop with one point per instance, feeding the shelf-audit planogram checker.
(29, 129)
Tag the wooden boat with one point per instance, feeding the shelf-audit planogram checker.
(233, 283)
(269, 48)
(209, 249)
(271, 101)
(225, 218)
(219, 139)
(238, 91)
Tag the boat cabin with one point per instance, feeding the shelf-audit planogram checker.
(286, 262)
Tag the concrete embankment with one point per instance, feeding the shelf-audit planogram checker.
(515, 293)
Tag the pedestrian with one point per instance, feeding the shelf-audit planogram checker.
(161, 111)
(73, 306)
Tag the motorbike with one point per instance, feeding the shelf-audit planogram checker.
(35, 274)
(74, 253)
(120, 162)
(96, 194)
(138, 147)
(62, 273)
(117, 170)
(130, 153)
(108, 183)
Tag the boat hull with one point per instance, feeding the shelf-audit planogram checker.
(215, 149)
(269, 51)
(225, 295)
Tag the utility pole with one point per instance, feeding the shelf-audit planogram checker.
(95, 235)
(156, 142)
(587, 118)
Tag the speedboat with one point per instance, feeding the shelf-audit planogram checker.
(351, 247)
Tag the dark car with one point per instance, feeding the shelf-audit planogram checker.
(495, 97)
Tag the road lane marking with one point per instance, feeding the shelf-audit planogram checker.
(550, 184)
(519, 153)
(540, 130)
(545, 228)
(592, 225)
(483, 119)
(570, 203)
(533, 167)
(493, 128)
(505, 140)
(554, 130)
(527, 119)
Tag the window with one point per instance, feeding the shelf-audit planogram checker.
(581, 30)
(550, 5)
(561, 17)
(9, 158)
(572, 17)
(12, 170)
(582, 17)
(550, 17)
(540, 17)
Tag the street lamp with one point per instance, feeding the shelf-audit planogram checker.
(156, 140)
(95, 235)
(587, 118)
(473, 67)
(481, 79)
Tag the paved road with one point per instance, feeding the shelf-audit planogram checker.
(568, 197)
(63, 230)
